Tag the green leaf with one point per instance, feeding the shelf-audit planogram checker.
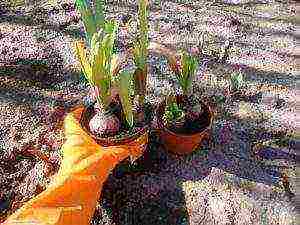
(88, 18)
(142, 42)
(99, 13)
(97, 59)
(173, 113)
(107, 47)
(102, 59)
(193, 64)
(102, 51)
(94, 46)
(110, 27)
(237, 80)
(85, 65)
(189, 66)
(124, 85)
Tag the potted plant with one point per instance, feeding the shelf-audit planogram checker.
(184, 120)
(112, 119)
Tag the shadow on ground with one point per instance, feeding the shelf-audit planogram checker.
(27, 81)
(35, 72)
(151, 191)
(38, 17)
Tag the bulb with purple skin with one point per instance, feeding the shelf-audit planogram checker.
(104, 124)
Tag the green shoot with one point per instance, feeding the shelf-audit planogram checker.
(186, 73)
(84, 7)
(99, 63)
(140, 50)
(141, 45)
(99, 13)
(93, 22)
(124, 90)
(236, 80)
(172, 112)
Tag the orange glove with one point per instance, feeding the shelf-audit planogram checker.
(71, 197)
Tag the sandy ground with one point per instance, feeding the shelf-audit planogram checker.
(236, 180)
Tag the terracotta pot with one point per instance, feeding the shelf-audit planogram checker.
(180, 143)
(138, 139)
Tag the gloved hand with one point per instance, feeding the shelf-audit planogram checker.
(71, 197)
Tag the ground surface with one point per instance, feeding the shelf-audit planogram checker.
(236, 180)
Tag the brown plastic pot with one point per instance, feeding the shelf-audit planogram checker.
(183, 143)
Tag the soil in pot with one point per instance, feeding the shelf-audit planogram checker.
(124, 133)
(197, 118)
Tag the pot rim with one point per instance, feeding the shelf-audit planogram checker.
(110, 141)
(162, 105)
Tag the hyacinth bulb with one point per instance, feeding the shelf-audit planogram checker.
(194, 112)
(104, 124)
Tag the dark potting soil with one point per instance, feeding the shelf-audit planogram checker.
(125, 130)
(123, 133)
(194, 126)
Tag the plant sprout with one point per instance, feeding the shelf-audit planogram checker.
(99, 63)
(93, 19)
(100, 67)
(124, 89)
(185, 69)
(237, 79)
(184, 66)
(140, 51)
(173, 114)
